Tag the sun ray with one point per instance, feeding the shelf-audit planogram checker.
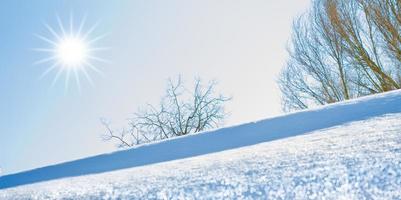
(76, 75)
(61, 26)
(98, 59)
(43, 50)
(52, 31)
(60, 70)
(99, 49)
(81, 25)
(45, 60)
(97, 38)
(71, 23)
(71, 51)
(87, 77)
(49, 69)
(46, 40)
(86, 35)
(94, 68)
(67, 80)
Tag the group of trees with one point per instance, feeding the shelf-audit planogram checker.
(342, 49)
(181, 111)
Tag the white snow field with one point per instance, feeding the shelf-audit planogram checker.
(348, 150)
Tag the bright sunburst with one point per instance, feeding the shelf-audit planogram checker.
(69, 51)
(72, 51)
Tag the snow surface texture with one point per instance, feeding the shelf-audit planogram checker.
(360, 160)
(217, 140)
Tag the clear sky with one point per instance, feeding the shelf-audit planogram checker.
(239, 43)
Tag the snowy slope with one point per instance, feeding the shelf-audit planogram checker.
(357, 154)
(360, 160)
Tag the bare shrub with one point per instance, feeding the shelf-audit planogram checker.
(180, 112)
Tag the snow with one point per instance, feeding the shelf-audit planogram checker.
(349, 150)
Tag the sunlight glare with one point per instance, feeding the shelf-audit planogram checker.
(71, 51)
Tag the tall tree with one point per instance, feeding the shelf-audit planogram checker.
(342, 49)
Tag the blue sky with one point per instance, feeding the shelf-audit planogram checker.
(241, 44)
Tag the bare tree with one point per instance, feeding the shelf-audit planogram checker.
(342, 49)
(180, 112)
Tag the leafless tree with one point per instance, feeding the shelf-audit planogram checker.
(180, 112)
(342, 49)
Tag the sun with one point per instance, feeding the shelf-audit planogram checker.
(70, 50)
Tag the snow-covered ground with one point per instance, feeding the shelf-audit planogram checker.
(349, 150)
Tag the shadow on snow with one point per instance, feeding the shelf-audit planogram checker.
(217, 140)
